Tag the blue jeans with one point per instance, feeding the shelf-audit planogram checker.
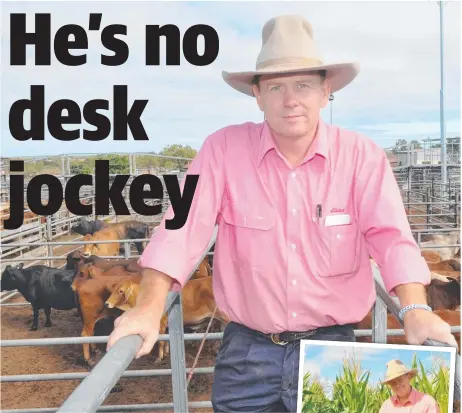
(252, 374)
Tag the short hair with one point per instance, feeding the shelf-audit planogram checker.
(322, 73)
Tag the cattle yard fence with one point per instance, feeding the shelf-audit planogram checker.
(431, 204)
(96, 385)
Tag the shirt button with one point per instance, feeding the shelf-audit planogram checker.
(294, 315)
(294, 282)
(293, 246)
(338, 236)
(294, 211)
(293, 174)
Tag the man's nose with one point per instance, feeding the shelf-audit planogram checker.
(290, 98)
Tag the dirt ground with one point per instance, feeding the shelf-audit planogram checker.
(15, 323)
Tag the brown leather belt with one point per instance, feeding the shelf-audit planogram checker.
(288, 336)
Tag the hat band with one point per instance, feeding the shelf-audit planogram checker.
(285, 61)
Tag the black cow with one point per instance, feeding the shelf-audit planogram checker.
(85, 227)
(44, 287)
(137, 230)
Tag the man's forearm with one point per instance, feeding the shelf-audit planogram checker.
(412, 293)
(154, 288)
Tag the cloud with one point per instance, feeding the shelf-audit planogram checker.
(336, 354)
(396, 94)
(312, 367)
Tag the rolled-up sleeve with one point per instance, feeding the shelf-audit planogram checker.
(384, 223)
(177, 252)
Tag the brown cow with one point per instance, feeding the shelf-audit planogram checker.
(117, 231)
(445, 275)
(453, 264)
(75, 258)
(443, 295)
(431, 256)
(92, 294)
(89, 271)
(203, 270)
(197, 302)
(450, 316)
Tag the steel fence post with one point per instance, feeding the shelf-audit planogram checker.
(177, 356)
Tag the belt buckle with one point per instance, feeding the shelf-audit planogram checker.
(278, 342)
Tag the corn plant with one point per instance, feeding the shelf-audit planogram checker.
(350, 392)
(314, 399)
(437, 387)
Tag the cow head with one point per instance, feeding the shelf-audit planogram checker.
(83, 273)
(12, 277)
(444, 294)
(80, 227)
(123, 296)
(90, 249)
(73, 259)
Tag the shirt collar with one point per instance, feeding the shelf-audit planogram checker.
(319, 146)
(412, 398)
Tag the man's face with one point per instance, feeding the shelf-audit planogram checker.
(292, 103)
(401, 385)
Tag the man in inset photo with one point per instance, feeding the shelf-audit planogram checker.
(405, 398)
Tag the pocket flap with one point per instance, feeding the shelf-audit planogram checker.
(248, 216)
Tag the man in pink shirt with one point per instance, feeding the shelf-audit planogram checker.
(300, 207)
(405, 398)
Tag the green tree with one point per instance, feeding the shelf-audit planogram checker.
(177, 150)
(81, 168)
(118, 164)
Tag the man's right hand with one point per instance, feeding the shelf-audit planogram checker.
(144, 318)
(136, 321)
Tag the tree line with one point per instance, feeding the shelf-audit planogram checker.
(118, 164)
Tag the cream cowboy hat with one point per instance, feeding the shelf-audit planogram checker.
(396, 368)
(288, 47)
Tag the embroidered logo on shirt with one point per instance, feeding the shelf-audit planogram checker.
(337, 210)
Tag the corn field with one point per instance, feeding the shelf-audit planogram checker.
(352, 391)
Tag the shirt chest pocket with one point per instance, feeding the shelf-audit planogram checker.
(248, 232)
(341, 245)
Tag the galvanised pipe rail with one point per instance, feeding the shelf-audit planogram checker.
(93, 339)
(118, 408)
(61, 243)
(429, 230)
(83, 375)
(43, 342)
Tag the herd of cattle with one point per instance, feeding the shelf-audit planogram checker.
(102, 288)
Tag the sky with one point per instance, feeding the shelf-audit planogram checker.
(396, 94)
(325, 361)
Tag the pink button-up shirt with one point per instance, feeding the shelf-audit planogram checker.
(276, 268)
(418, 402)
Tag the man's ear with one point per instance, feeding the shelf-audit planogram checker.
(327, 92)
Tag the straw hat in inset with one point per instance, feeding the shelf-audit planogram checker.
(288, 46)
(396, 368)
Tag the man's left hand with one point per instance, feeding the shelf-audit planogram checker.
(420, 325)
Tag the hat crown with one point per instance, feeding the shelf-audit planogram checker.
(288, 37)
(395, 368)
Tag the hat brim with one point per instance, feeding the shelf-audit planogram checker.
(413, 372)
(339, 75)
